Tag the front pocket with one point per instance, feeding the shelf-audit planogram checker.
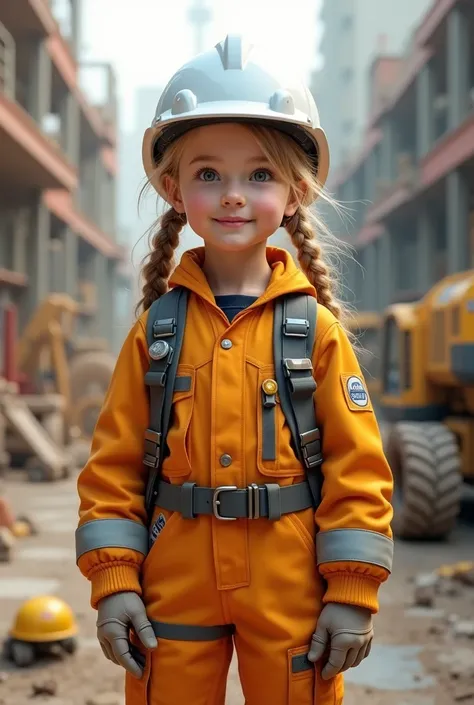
(177, 462)
(305, 684)
(300, 677)
(136, 689)
(275, 454)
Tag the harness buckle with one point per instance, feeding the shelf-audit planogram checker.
(253, 501)
(151, 456)
(296, 327)
(291, 364)
(216, 501)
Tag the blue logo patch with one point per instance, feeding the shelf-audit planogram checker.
(357, 392)
(157, 528)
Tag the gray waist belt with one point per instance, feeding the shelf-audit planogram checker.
(229, 503)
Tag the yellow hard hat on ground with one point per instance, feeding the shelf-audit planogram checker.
(44, 619)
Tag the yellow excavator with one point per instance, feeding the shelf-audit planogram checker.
(62, 382)
(427, 400)
(365, 326)
(57, 362)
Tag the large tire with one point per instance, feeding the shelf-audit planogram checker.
(90, 375)
(425, 462)
(90, 372)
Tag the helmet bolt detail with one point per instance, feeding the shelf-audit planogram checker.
(282, 102)
(184, 102)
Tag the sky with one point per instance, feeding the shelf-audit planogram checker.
(151, 41)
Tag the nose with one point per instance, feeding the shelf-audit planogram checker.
(233, 199)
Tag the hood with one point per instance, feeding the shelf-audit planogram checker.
(286, 278)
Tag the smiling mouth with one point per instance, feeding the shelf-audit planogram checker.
(232, 221)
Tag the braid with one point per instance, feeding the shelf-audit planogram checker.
(301, 231)
(159, 261)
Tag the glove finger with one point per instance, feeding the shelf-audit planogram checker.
(108, 653)
(121, 651)
(319, 642)
(351, 658)
(363, 653)
(335, 662)
(144, 630)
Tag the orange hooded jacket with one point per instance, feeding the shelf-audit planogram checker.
(219, 415)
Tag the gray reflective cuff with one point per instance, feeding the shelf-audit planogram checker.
(191, 632)
(111, 533)
(354, 545)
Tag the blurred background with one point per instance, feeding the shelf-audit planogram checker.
(394, 83)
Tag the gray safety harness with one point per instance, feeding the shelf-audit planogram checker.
(293, 336)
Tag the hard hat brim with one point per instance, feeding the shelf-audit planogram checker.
(44, 638)
(169, 127)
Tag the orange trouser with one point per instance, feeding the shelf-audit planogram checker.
(257, 575)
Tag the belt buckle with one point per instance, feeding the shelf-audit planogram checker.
(216, 501)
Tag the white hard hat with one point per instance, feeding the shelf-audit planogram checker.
(233, 82)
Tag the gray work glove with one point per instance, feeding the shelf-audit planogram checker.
(347, 631)
(117, 614)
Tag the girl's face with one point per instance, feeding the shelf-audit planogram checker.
(232, 197)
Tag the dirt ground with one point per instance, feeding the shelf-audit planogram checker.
(418, 658)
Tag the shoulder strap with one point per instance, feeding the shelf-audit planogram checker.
(165, 329)
(294, 330)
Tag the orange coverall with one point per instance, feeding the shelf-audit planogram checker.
(262, 576)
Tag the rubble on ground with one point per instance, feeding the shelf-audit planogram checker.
(438, 592)
(7, 541)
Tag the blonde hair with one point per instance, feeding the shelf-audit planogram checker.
(292, 164)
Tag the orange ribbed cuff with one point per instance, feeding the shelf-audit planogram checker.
(121, 577)
(352, 589)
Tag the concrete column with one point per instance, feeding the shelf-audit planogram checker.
(100, 192)
(37, 261)
(56, 265)
(387, 153)
(387, 269)
(376, 304)
(457, 67)
(91, 187)
(113, 285)
(369, 298)
(457, 222)
(75, 27)
(70, 127)
(21, 227)
(111, 222)
(424, 111)
(40, 82)
(101, 323)
(71, 262)
(370, 175)
(349, 282)
(425, 246)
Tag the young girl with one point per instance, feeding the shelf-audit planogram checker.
(236, 152)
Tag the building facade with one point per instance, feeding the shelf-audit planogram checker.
(352, 32)
(411, 185)
(57, 171)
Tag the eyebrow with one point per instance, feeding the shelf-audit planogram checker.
(213, 158)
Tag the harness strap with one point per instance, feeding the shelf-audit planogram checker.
(230, 503)
(294, 333)
(165, 326)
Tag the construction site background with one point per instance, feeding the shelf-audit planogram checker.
(395, 91)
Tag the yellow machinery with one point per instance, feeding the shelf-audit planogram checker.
(56, 363)
(427, 398)
(365, 326)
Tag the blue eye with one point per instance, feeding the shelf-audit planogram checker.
(261, 175)
(208, 175)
